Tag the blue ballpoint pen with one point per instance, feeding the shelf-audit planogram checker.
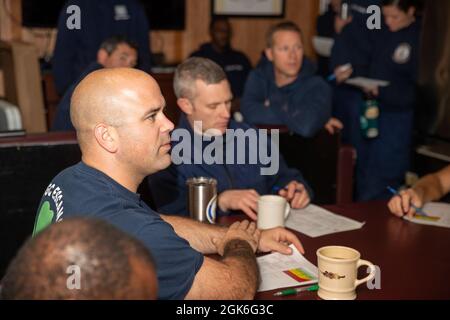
(419, 211)
(331, 77)
(275, 189)
(343, 68)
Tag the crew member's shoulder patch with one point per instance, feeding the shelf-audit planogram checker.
(44, 218)
(402, 53)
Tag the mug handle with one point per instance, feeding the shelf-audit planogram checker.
(371, 274)
(211, 210)
(287, 210)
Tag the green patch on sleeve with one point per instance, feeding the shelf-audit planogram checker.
(44, 218)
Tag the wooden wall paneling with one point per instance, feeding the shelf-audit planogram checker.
(19, 62)
(9, 79)
(10, 20)
(249, 33)
(177, 45)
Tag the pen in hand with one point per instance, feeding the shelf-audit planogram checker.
(276, 189)
(293, 291)
(418, 210)
(342, 68)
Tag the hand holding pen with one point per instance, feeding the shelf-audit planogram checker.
(402, 204)
(406, 202)
(341, 73)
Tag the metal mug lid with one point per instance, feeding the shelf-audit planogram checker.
(201, 181)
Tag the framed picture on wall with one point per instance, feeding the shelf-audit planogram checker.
(248, 8)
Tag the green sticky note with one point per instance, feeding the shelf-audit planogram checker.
(44, 218)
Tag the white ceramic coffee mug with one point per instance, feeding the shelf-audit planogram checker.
(338, 271)
(272, 212)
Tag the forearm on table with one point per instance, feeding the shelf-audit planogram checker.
(235, 276)
(199, 235)
(429, 188)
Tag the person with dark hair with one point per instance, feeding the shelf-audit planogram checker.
(235, 63)
(114, 52)
(81, 259)
(200, 83)
(112, 43)
(124, 136)
(77, 45)
(282, 92)
(390, 54)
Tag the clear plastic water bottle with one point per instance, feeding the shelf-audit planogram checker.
(369, 117)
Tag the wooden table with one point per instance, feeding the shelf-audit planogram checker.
(414, 259)
(39, 139)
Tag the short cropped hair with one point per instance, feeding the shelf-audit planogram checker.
(403, 5)
(282, 26)
(103, 254)
(193, 69)
(110, 44)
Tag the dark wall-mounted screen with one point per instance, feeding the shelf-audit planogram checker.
(162, 14)
(165, 14)
(42, 13)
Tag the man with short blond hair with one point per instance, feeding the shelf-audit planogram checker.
(204, 96)
(284, 90)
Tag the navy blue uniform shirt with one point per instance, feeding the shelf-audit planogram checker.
(81, 190)
(100, 19)
(304, 106)
(169, 188)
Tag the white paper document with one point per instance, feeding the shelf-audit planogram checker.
(323, 46)
(315, 221)
(281, 271)
(438, 215)
(367, 83)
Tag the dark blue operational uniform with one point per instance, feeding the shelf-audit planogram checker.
(304, 106)
(168, 187)
(385, 55)
(76, 49)
(81, 190)
(325, 28)
(353, 45)
(235, 64)
(384, 160)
